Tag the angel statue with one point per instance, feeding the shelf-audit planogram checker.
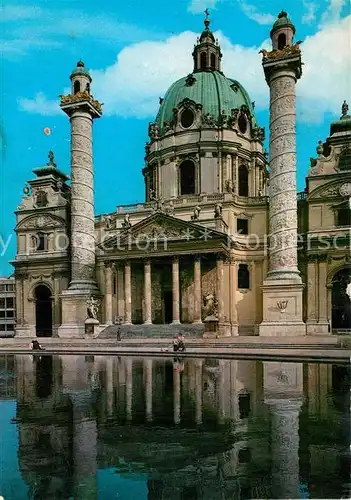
(210, 304)
(92, 307)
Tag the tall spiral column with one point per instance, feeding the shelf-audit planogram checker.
(82, 109)
(282, 186)
(282, 288)
(82, 201)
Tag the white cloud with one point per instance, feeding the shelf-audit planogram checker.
(199, 6)
(253, 13)
(310, 12)
(333, 12)
(142, 73)
(39, 105)
(326, 79)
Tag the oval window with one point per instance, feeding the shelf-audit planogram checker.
(242, 124)
(187, 118)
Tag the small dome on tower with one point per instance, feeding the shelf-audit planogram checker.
(80, 69)
(283, 21)
(207, 34)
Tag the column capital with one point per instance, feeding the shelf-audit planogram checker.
(197, 256)
(108, 264)
(175, 258)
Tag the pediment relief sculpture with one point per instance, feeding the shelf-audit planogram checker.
(41, 221)
(327, 191)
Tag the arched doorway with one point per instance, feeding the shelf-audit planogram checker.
(341, 302)
(43, 311)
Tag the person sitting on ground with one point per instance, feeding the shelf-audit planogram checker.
(178, 344)
(35, 346)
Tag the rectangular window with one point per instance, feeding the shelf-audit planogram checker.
(2, 303)
(10, 328)
(242, 226)
(2, 314)
(11, 287)
(9, 303)
(10, 314)
(2, 327)
(2, 288)
(344, 217)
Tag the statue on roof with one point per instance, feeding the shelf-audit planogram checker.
(51, 159)
(344, 109)
(207, 12)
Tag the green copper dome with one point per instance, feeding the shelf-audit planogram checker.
(217, 94)
(282, 21)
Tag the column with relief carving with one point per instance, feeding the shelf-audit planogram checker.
(285, 447)
(282, 289)
(311, 323)
(175, 289)
(197, 289)
(108, 293)
(127, 293)
(220, 288)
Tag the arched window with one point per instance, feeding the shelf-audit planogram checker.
(87, 88)
(243, 181)
(40, 242)
(281, 41)
(213, 61)
(203, 60)
(243, 276)
(76, 87)
(187, 177)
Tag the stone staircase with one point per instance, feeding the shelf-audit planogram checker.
(152, 331)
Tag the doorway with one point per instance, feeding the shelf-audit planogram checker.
(341, 302)
(168, 306)
(43, 311)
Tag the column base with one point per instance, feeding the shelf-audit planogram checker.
(197, 322)
(148, 322)
(317, 328)
(175, 322)
(234, 330)
(25, 331)
(74, 313)
(282, 309)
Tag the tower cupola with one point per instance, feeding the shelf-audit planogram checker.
(283, 32)
(80, 79)
(207, 53)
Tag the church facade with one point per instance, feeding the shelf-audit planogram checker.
(198, 245)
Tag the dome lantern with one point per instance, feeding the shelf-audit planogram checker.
(207, 53)
(80, 79)
(282, 32)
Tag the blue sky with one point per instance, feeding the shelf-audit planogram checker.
(135, 50)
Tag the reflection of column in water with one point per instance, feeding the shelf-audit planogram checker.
(176, 393)
(148, 388)
(109, 386)
(84, 447)
(198, 391)
(221, 393)
(129, 387)
(285, 447)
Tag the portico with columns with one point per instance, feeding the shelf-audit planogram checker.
(166, 282)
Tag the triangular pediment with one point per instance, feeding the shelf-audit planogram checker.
(164, 227)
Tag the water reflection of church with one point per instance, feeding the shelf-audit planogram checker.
(193, 429)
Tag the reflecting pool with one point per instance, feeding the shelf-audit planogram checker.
(94, 427)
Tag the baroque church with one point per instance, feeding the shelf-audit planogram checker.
(198, 245)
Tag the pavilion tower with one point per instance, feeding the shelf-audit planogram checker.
(82, 109)
(282, 289)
